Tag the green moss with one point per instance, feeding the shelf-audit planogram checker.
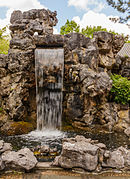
(18, 128)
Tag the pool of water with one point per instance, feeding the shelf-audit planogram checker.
(53, 138)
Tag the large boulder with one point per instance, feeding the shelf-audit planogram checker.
(23, 159)
(78, 153)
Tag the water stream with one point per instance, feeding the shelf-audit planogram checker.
(49, 65)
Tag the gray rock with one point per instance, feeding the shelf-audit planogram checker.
(4, 147)
(96, 83)
(16, 15)
(104, 41)
(78, 153)
(114, 160)
(23, 159)
(126, 155)
(2, 166)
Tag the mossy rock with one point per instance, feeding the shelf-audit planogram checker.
(17, 128)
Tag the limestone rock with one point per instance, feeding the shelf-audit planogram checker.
(115, 160)
(118, 158)
(78, 153)
(4, 147)
(118, 42)
(107, 114)
(96, 83)
(23, 159)
(104, 41)
(2, 166)
(16, 15)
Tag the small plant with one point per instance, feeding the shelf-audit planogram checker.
(120, 91)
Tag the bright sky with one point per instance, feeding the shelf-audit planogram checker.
(84, 12)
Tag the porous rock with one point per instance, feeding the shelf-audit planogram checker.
(23, 159)
(78, 153)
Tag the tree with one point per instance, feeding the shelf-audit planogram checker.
(122, 6)
(88, 31)
(2, 31)
(70, 26)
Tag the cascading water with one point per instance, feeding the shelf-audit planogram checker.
(49, 65)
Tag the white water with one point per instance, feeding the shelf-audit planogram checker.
(49, 65)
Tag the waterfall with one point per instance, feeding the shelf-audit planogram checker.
(49, 65)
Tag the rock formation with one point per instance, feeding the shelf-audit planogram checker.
(90, 155)
(23, 159)
(87, 66)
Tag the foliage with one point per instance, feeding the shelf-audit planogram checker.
(4, 41)
(4, 46)
(122, 6)
(120, 90)
(70, 26)
(88, 31)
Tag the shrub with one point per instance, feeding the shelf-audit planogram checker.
(120, 91)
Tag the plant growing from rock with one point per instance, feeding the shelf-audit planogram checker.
(120, 91)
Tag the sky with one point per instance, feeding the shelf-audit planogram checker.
(84, 12)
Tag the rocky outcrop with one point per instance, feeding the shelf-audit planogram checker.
(23, 159)
(87, 67)
(90, 155)
(17, 70)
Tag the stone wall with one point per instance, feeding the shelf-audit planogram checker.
(88, 63)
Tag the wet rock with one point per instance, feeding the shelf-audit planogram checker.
(44, 149)
(23, 159)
